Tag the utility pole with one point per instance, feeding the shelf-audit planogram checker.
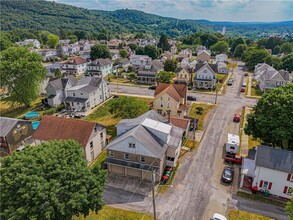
(216, 94)
(153, 192)
(194, 124)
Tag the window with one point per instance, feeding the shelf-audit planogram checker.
(287, 190)
(126, 156)
(290, 177)
(131, 145)
(168, 106)
(161, 104)
(101, 135)
(111, 153)
(170, 158)
(92, 155)
(77, 103)
(265, 185)
(91, 144)
(73, 94)
(81, 93)
(161, 97)
(168, 98)
(142, 159)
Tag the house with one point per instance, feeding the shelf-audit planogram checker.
(200, 48)
(205, 77)
(51, 68)
(166, 56)
(221, 58)
(139, 60)
(142, 144)
(148, 73)
(86, 94)
(269, 78)
(48, 54)
(75, 66)
(173, 49)
(64, 42)
(184, 62)
(203, 56)
(14, 133)
(187, 52)
(269, 169)
(100, 67)
(91, 136)
(34, 42)
(170, 99)
(85, 55)
(183, 76)
(56, 90)
(125, 63)
(222, 68)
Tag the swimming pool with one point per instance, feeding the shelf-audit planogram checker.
(31, 115)
(35, 124)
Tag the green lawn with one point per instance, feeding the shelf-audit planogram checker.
(242, 215)
(255, 91)
(110, 213)
(201, 118)
(103, 116)
(100, 159)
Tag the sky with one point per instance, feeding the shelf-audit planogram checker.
(213, 10)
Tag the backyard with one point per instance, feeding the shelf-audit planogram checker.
(110, 213)
(201, 117)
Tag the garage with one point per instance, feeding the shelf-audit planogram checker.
(134, 172)
(116, 169)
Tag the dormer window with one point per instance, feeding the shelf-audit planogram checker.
(131, 145)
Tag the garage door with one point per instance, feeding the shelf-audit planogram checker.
(116, 169)
(133, 172)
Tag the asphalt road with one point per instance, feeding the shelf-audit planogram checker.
(197, 191)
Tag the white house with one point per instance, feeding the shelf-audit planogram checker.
(100, 67)
(173, 49)
(86, 94)
(48, 54)
(91, 136)
(187, 52)
(221, 58)
(55, 90)
(184, 62)
(205, 76)
(75, 66)
(139, 60)
(222, 68)
(270, 169)
(148, 73)
(200, 48)
(34, 42)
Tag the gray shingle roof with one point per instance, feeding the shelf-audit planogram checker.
(214, 67)
(276, 159)
(101, 62)
(7, 124)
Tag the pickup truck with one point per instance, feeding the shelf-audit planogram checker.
(233, 158)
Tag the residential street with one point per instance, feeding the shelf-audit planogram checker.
(197, 190)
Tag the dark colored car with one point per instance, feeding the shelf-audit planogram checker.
(152, 87)
(246, 74)
(228, 174)
(191, 98)
(242, 90)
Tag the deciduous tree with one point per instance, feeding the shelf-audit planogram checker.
(163, 43)
(288, 62)
(165, 77)
(50, 181)
(22, 72)
(170, 65)
(100, 51)
(289, 208)
(151, 51)
(220, 47)
(252, 56)
(240, 48)
(52, 40)
(287, 48)
(271, 119)
(123, 53)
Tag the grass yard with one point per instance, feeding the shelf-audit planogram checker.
(100, 159)
(255, 91)
(252, 142)
(110, 213)
(242, 215)
(18, 111)
(231, 65)
(200, 118)
(102, 115)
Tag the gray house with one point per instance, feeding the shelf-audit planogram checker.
(55, 91)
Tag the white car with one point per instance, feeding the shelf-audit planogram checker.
(217, 216)
(243, 84)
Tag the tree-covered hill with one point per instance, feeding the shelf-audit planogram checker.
(52, 16)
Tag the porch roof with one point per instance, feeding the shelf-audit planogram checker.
(75, 99)
(248, 167)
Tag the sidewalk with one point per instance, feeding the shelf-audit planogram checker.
(248, 87)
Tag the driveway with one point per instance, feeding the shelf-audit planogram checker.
(197, 191)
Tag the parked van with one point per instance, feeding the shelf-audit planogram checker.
(232, 144)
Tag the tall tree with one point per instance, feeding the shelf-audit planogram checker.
(52, 40)
(289, 208)
(163, 43)
(57, 73)
(220, 47)
(236, 42)
(22, 72)
(165, 77)
(133, 46)
(170, 65)
(288, 62)
(286, 48)
(151, 51)
(271, 119)
(139, 51)
(100, 51)
(252, 56)
(50, 181)
(274, 61)
(73, 38)
(123, 53)
(5, 41)
(240, 48)
(43, 37)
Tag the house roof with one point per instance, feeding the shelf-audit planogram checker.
(87, 84)
(101, 62)
(275, 159)
(180, 69)
(214, 67)
(56, 128)
(174, 90)
(204, 51)
(7, 124)
(179, 122)
(75, 61)
(284, 74)
(58, 84)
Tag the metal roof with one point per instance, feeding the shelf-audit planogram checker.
(6, 124)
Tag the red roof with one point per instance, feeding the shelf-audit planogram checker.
(180, 122)
(174, 90)
(56, 128)
(75, 61)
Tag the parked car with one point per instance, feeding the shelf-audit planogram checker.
(152, 87)
(236, 118)
(243, 84)
(230, 82)
(228, 174)
(246, 74)
(233, 158)
(191, 98)
(217, 216)
(242, 90)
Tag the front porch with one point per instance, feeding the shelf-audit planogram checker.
(204, 84)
